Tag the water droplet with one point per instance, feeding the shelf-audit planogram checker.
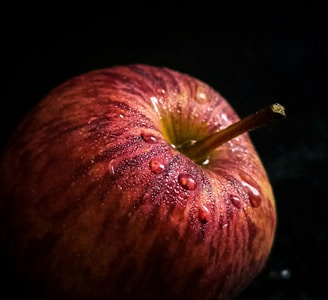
(235, 200)
(224, 118)
(204, 214)
(154, 101)
(194, 115)
(206, 161)
(148, 137)
(91, 120)
(253, 190)
(187, 182)
(284, 274)
(111, 167)
(201, 96)
(156, 166)
(255, 199)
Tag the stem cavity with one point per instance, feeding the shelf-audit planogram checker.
(201, 149)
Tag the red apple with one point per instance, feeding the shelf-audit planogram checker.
(129, 183)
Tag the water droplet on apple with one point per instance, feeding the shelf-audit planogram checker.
(91, 120)
(206, 161)
(235, 200)
(254, 198)
(148, 137)
(156, 166)
(187, 181)
(224, 118)
(194, 115)
(224, 225)
(204, 214)
(201, 96)
(155, 103)
(252, 189)
(111, 167)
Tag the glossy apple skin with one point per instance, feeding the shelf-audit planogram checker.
(97, 203)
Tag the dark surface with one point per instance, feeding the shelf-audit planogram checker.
(254, 56)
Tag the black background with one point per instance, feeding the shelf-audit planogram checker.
(253, 55)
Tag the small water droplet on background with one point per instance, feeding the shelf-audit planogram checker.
(156, 166)
(148, 137)
(284, 274)
(187, 182)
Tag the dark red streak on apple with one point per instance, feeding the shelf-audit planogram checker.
(251, 231)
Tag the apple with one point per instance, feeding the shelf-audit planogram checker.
(135, 182)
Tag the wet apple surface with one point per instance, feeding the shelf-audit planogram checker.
(100, 201)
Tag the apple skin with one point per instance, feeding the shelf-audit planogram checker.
(97, 203)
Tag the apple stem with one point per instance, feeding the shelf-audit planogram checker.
(201, 149)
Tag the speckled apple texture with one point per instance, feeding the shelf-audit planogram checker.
(97, 202)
